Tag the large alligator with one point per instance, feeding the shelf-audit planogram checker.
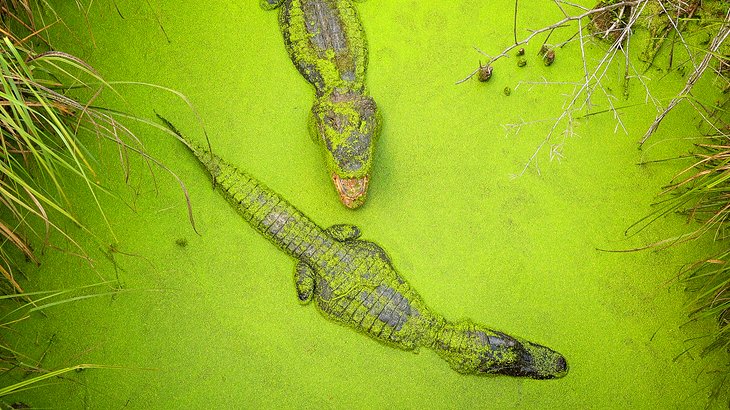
(326, 42)
(353, 282)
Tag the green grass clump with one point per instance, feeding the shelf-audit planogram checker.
(48, 117)
(39, 147)
(702, 191)
(46, 108)
(39, 125)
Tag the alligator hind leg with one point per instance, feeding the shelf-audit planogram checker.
(270, 4)
(304, 281)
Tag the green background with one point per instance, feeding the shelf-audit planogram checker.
(216, 323)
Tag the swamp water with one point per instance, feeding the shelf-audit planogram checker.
(212, 320)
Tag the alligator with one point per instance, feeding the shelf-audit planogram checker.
(353, 282)
(326, 43)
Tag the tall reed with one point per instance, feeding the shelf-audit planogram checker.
(46, 107)
(47, 117)
(702, 192)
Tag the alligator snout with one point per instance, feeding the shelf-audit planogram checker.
(474, 349)
(352, 191)
(537, 362)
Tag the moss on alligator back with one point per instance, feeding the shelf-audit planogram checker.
(326, 43)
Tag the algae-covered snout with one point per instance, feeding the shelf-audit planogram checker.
(536, 362)
(347, 127)
(470, 348)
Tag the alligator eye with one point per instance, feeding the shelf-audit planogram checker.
(334, 122)
(330, 120)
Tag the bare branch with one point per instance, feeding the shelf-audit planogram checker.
(715, 44)
(559, 24)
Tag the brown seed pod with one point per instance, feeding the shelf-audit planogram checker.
(549, 57)
(485, 72)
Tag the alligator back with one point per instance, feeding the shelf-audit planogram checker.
(326, 42)
(360, 288)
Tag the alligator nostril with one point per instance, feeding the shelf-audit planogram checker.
(562, 364)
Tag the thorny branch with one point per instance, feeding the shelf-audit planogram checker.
(586, 87)
(717, 41)
(620, 20)
(553, 27)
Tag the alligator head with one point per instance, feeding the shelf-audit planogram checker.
(347, 126)
(473, 349)
(534, 361)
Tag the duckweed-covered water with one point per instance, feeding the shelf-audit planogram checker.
(211, 320)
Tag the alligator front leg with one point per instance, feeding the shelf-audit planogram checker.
(270, 4)
(304, 281)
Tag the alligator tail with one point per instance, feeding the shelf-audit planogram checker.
(210, 161)
(266, 211)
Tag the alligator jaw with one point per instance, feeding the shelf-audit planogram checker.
(537, 362)
(352, 191)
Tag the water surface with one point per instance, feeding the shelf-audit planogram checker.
(216, 323)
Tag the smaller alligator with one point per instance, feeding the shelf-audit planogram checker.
(326, 43)
(354, 283)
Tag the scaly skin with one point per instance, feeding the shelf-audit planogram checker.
(326, 43)
(353, 282)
